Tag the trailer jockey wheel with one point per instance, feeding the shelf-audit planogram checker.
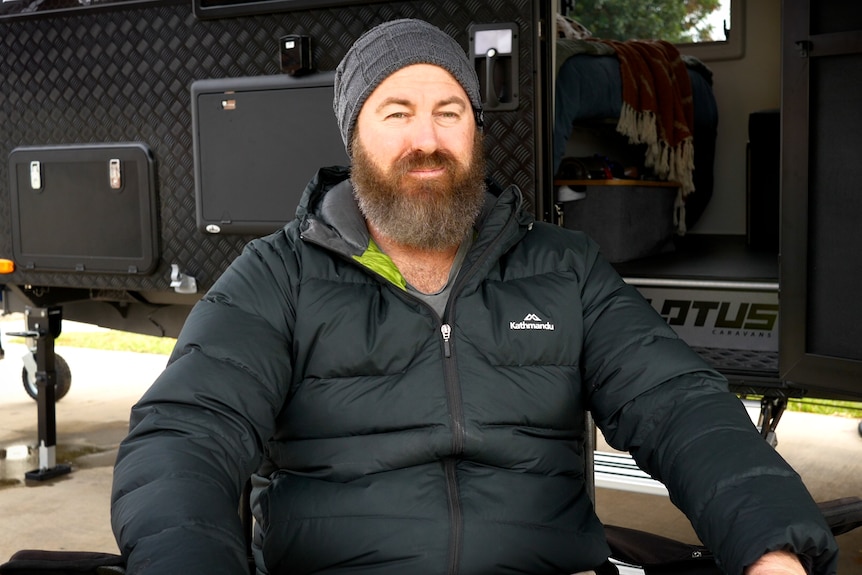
(64, 379)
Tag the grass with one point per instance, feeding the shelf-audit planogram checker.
(827, 407)
(113, 340)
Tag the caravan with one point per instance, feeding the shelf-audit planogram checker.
(145, 142)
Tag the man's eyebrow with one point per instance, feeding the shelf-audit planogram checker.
(395, 101)
(458, 100)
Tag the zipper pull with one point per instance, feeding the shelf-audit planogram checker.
(446, 331)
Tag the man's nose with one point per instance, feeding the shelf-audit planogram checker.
(424, 136)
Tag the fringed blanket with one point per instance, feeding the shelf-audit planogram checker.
(657, 105)
(658, 111)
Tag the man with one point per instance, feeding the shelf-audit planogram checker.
(404, 371)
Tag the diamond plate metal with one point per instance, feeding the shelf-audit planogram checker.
(763, 363)
(124, 75)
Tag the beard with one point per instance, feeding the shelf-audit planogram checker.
(428, 214)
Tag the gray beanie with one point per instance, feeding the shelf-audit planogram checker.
(387, 48)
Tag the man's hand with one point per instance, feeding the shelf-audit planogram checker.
(776, 563)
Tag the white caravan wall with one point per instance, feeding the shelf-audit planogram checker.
(741, 87)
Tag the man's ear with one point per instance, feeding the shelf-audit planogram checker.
(480, 118)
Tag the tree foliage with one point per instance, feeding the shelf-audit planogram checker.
(677, 21)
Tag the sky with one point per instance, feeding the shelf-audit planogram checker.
(717, 20)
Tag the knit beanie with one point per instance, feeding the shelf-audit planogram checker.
(387, 48)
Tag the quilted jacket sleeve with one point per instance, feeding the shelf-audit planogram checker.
(197, 434)
(653, 396)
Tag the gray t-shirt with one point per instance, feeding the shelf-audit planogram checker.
(438, 300)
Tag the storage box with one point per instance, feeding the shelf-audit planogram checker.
(257, 141)
(629, 219)
(84, 208)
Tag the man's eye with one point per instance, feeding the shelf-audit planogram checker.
(397, 115)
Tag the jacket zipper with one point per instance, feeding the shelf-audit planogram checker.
(446, 332)
(455, 516)
(456, 408)
(453, 392)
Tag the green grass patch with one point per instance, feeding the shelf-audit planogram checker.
(112, 340)
(840, 408)
(826, 407)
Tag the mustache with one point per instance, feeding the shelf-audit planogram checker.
(419, 160)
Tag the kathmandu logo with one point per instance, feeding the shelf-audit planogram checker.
(531, 321)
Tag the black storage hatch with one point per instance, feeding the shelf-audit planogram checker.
(84, 208)
(257, 143)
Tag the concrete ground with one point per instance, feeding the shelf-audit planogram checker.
(71, 512)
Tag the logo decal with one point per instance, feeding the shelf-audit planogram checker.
(531, 321)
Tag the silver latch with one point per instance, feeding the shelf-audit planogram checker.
(36, 175)
(182, 283)
(115, 174)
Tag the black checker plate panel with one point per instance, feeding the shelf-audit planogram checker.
(124, 75)
(757, 362)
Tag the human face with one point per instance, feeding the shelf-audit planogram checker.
(419, 108)
(418, 159)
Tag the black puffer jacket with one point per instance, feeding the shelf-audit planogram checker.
(389, 440)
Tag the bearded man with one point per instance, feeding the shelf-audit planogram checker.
(404, 370)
